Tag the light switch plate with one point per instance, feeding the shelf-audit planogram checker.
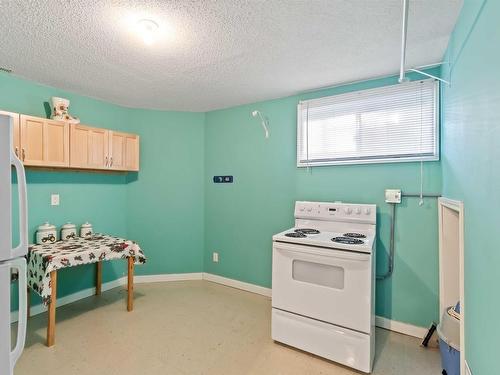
(54, 200)
(393, 195)
(215, 257)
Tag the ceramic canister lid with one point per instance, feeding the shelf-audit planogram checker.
(46, 227)
(68, 225)
(87, 225)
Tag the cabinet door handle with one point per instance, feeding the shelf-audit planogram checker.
(106, 163)
(24, 154)
(17, 151)
(111, 161)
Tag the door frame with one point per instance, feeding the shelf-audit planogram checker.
(458, 207)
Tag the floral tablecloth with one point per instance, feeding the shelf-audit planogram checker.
(43, 259)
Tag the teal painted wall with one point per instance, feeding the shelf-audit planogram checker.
(471, 161)
(179, 217)
(138, 205)
(241, 218)
(165, 200)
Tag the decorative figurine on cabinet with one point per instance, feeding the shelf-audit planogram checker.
(60, 108)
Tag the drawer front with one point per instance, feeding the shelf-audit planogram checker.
(350, 348)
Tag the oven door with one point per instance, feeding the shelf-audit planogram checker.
(330, 285)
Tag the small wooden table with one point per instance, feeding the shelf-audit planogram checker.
(45, 260)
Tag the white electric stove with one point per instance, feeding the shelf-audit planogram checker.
(324, 282)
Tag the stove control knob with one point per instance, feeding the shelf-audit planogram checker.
(309, 209)
(348, 210)
(367, 211)
(358, 211)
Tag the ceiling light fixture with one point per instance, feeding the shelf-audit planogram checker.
(148, 30)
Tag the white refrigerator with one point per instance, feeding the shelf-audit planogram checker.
(11, 259)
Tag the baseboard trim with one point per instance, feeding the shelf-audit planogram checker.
(168, 277)
(400, 327)
(380, 321)
(257, 289)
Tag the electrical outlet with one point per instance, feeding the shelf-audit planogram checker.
(215, 257)
(393, 195)
(54, 200)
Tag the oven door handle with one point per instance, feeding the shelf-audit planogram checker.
(332, 253)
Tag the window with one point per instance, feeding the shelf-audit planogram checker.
(387, 124)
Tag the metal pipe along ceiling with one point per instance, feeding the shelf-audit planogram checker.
(403, 41)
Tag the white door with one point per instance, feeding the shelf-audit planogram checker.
(8, 159)
(11, 258)
(4, 319)
(324, 284)
(8, 356)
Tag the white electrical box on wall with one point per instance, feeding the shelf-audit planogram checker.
(393, 195)
(54, 199)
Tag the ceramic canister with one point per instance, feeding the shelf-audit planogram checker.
(46, 233)
(68, 231)
(86, 230)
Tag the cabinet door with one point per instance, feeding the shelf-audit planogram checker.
(89, 147)
(132, 152)
(117, 147)
(98, 147)
(123, 151)
(16, 142)
(79, 146)
(32, 140)
(56, 144)
(44, 143)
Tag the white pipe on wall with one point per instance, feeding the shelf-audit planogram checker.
(403, 42)
(429, 75)
(264, 122)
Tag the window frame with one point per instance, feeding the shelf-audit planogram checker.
(376, 160)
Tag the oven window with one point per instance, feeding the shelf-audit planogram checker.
(319, 274)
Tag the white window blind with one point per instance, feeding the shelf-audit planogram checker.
(387, 124)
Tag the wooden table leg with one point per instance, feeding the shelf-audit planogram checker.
(130, 294)
(28, 303)
(98, 278)
(51, 326)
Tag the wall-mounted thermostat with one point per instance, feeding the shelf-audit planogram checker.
(223, 179)
(393, 195)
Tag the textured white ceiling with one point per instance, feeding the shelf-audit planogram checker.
(215, 54)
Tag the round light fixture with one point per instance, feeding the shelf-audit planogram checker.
(148, 30)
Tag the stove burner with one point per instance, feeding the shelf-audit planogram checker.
(354, 235)
(295, 235)
(307, 231)
(347, 240)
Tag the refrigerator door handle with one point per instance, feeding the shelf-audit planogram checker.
(20, 264)
(22, 249)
